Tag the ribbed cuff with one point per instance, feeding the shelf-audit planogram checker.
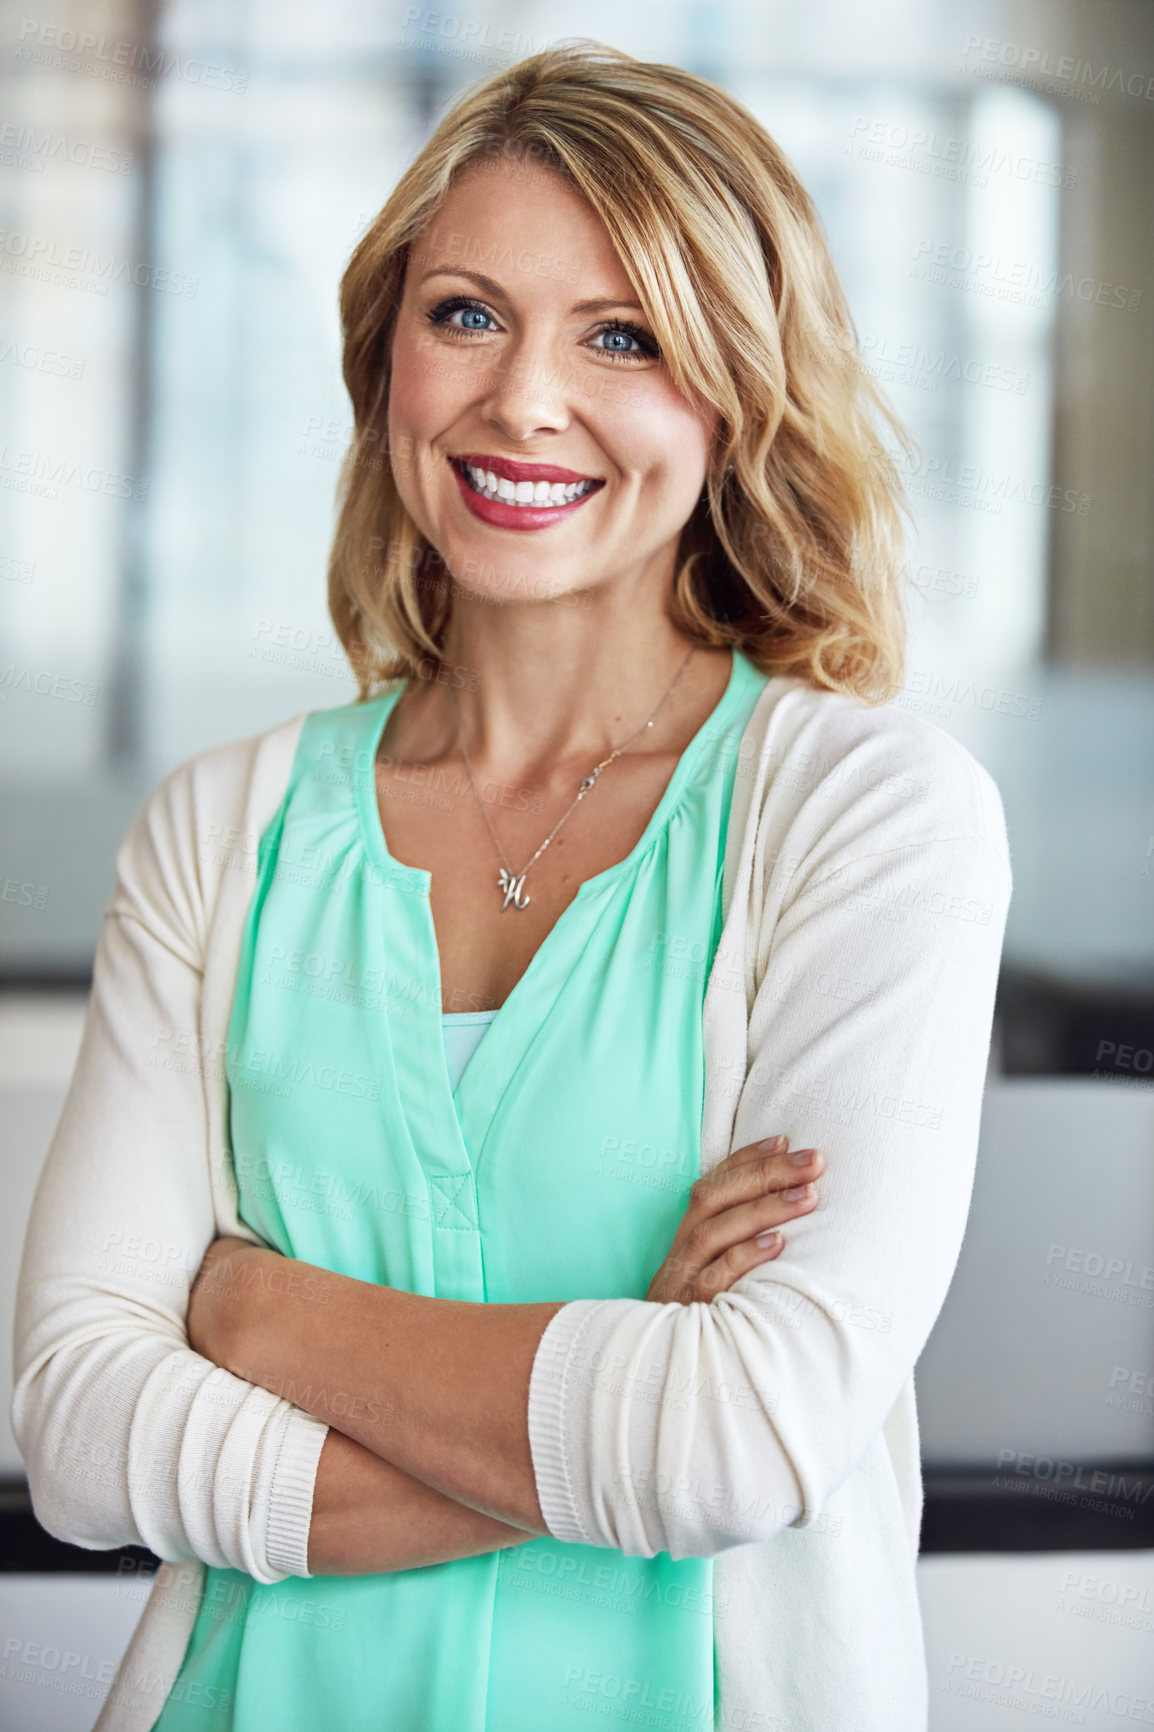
(291, 1498)
(548, 1390)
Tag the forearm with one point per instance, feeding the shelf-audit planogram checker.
(371, 1518)
(437, 1387)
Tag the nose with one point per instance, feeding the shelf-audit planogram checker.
(527, 392)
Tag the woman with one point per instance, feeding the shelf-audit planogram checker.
(620, 801)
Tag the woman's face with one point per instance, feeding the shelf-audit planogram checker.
(521, 357)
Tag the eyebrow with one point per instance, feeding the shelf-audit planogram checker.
(494, 288)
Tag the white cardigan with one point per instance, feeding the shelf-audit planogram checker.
(866, 886)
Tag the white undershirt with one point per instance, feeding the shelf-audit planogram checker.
(463, 1030)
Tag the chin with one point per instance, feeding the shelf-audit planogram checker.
(483, 579)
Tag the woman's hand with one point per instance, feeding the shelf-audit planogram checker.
(751, 1192)
(217, 1298)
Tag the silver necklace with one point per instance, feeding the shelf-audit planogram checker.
(512, 884)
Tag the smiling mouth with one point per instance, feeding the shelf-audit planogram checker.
(525, 493)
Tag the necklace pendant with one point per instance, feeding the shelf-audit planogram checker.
(514, 889)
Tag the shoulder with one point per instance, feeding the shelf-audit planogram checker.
(847, 778)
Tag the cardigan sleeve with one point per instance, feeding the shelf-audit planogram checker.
(696, 1428)
(128, 1436)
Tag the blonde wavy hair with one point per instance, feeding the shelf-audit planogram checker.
(795, 552)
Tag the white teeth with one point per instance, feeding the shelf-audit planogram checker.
(492, 486)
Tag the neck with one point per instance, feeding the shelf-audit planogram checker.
(551, 683)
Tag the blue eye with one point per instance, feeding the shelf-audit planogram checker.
(460, 304)
(644, 346)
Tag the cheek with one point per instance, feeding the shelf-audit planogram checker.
(421, 406)
(665, 443)
(425, 384)
(410, 387)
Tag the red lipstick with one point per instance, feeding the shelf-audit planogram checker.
(500, 513)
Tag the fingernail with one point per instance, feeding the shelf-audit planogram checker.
(773, 1143)
(768, 1241)
(802, 1158)
(796, 1191)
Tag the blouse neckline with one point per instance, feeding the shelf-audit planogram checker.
(419, 878)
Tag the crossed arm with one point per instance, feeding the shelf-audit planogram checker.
(427, 1457)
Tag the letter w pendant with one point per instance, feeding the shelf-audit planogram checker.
(514, 889)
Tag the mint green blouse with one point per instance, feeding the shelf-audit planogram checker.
(554, 1163)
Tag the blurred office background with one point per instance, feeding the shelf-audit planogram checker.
(180, 186)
